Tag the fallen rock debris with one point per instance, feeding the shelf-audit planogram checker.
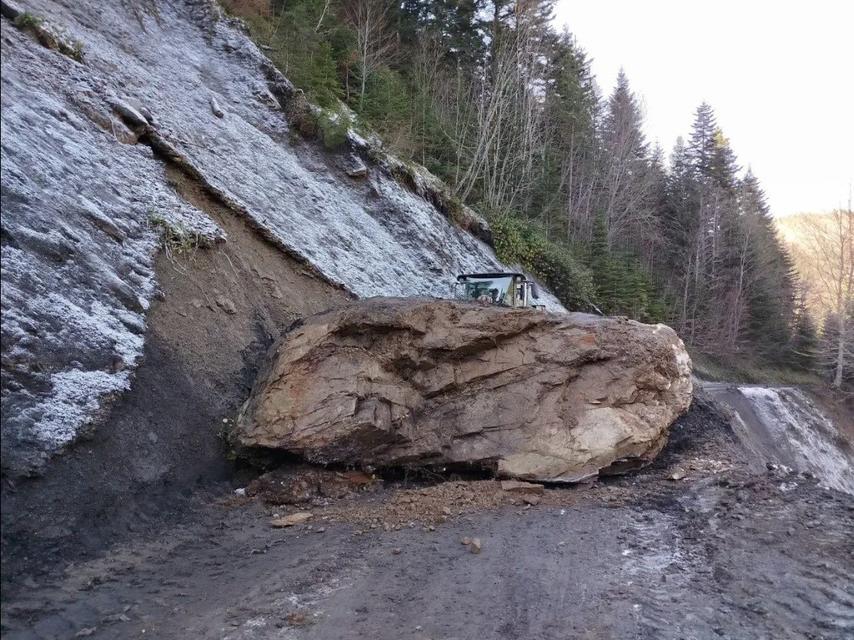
(517, 486)
(304, 485)
(292, 519)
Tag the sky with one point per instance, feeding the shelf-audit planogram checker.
(779, 75)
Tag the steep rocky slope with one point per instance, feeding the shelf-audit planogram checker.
(162, 224)
(89, 124)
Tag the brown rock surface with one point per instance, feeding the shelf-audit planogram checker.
(518, 486)
(303, 484)
(291, 519)
(532, 395)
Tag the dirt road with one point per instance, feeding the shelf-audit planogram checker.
(719, 553)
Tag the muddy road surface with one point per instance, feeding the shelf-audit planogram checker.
(700, 545)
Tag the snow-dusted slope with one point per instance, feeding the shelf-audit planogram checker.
(78, 198)
(803, 436)
(781, 425)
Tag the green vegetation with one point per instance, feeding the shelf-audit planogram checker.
(523, 243)
(76, 51)
(747, 370)
(28, 20)
(301, 41)
(490, 98)
(332, 127)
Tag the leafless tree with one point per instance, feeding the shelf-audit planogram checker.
(375, 41)
(827, 257)
(506, 125)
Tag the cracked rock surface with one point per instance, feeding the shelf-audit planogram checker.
(538, 396)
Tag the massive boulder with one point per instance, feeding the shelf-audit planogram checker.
(532, 395)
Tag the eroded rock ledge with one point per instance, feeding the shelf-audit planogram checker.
(99, 101)
(532, 395)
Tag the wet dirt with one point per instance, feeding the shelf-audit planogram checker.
(721, 552)
(207, 334)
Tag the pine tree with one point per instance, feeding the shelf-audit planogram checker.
(457, 25)
(653, 246)
(682, 227)
(770, 290)
(680, 214)
(625, 186)
(701, 146)
(804, 347)
(623, 120)
(569, 170)
(718, 253)
(604, 278)
(723, 166)
(304, 51)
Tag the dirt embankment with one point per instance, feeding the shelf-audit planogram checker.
(219, 311)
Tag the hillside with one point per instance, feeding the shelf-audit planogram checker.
(175, 209)
(797, 231)
(365, 236)
(163, 222)
(504, 107)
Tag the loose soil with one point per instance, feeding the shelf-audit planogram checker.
(720, 552)
(208, 333)
(139, 533)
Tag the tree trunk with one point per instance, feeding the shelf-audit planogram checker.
(839, 366)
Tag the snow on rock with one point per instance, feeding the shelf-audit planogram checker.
(80, 192)
(77, 249)
(803, 437)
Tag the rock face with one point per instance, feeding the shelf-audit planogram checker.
(88, 131)
(532, 395)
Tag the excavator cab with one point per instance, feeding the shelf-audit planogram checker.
(503, 289)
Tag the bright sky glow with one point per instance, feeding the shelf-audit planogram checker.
(779, 75)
